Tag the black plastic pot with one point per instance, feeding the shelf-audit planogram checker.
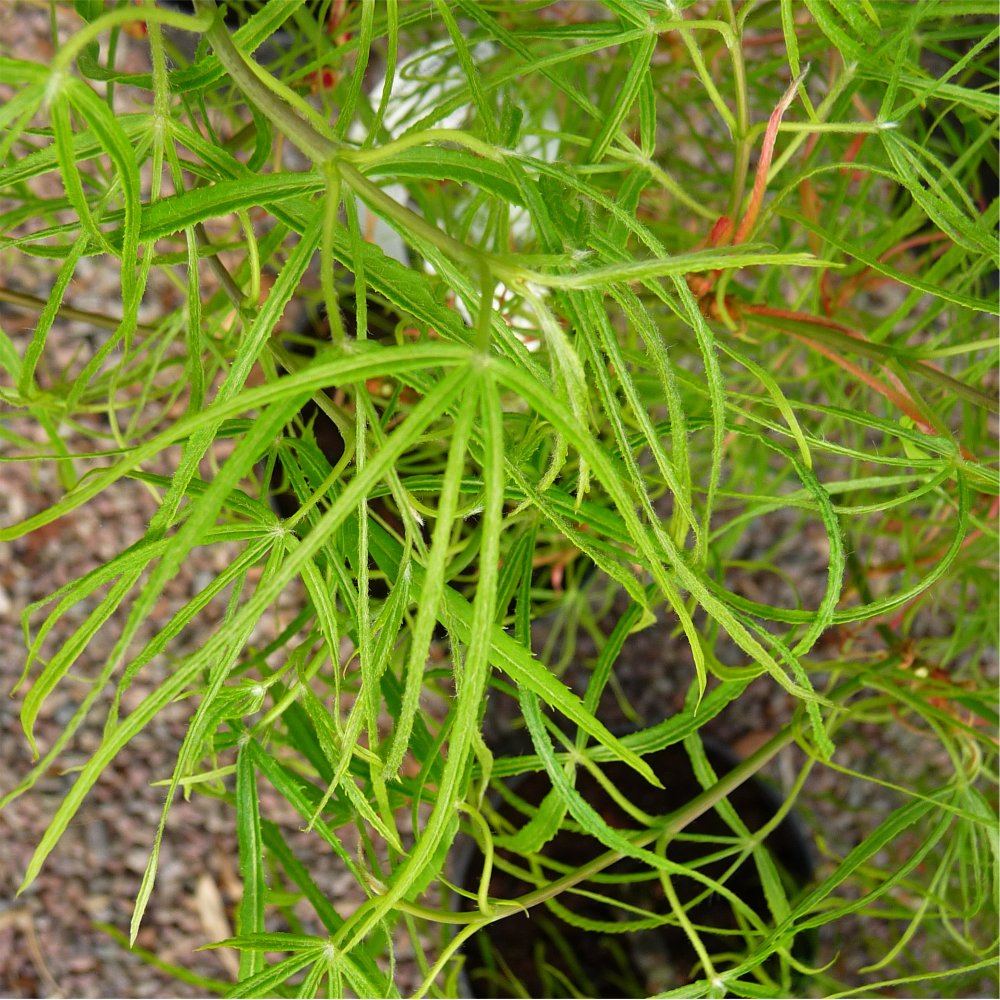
(542, 954)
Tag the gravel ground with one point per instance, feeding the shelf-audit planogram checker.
(50, 944)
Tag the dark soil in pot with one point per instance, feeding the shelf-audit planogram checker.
(542, 954)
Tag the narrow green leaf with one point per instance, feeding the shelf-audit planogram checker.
(638, 73)
(57, 667)
(270, 941)
(206, 718)
(279, 850)
(543, 826)
(115, 143)
(179, 972)
(251, 850)
(338, 749)
(267, 982)
(63, 130)
(22, 71)
(722, 258)
(293, 789)
(356, 88)
(10, 360)
(263, 140)
(172, 214)
(443, 163)
(647, 115)
(825, 14)
(924, 185)
(887, 831)
(486, 111)
(432, 585)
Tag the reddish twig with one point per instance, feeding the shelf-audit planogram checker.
(764, 163)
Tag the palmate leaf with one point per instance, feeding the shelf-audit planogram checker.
(510, 656)
(137, 719)
(425, 856)
(669, 556)
(921, 181)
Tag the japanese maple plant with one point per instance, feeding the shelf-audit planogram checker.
(651, 278)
